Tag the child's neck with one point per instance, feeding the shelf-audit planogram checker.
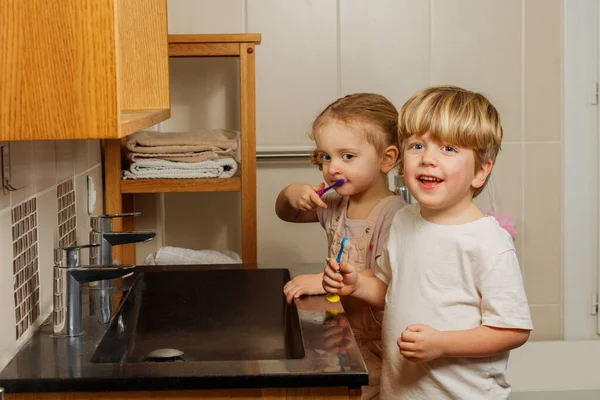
(461, 213)
(361, 204)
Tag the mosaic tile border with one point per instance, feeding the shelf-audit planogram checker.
(26, 280)
(67, 217)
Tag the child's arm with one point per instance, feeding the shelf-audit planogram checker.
(363, 285)
(423, 343)
(299, 202)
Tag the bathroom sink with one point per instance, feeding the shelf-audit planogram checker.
(204, 315)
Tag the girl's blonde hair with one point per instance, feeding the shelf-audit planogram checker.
(454, 116)
(373, 113)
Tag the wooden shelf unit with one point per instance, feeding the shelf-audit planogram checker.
(119, 193)
(82, 69)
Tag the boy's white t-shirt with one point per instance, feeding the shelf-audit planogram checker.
(450, 277)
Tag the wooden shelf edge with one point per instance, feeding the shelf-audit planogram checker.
(217, 38)
(134, 120)
(181, 185)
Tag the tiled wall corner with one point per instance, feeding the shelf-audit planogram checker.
(35, 220)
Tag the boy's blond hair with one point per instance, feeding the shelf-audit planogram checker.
(374, 113)
(454, 116)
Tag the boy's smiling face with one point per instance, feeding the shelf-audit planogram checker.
(440, 176)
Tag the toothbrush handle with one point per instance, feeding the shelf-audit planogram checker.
(339, 182)
(321, 192)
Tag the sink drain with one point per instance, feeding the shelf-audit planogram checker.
(159, 355)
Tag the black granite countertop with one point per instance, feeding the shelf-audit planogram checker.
(48, 364)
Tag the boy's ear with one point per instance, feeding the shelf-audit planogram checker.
(389, 158)
(481, 174)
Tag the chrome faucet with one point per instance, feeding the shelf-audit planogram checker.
(102, 235)
(69, 274)
(401, 190)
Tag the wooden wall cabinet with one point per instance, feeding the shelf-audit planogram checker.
(82, 69)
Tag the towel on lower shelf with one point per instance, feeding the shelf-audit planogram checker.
(209, 155)
(155, 168)
(169, 255)
(182, 142)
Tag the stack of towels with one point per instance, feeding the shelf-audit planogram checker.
(180, 155)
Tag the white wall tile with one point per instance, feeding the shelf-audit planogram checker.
(284, 242)
(543, 223)
(81, 202)
(45, 164)
(296, 66)
(543, 70)
(477, 44)
(205, 16)
(65, 165)
(81, 156)
(385, 47)
(547, 322)
(96, 175)
(48, 239)
(95, 153)
(22, 171)
(4, 198)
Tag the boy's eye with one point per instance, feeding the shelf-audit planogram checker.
(347, 156)
(416, 146)
(449, 149)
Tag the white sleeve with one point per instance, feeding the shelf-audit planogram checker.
(504, 303)
(383, 271)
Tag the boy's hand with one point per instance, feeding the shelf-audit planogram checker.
(342, 284)
(304, 197)
(303, 285)
(420, 343)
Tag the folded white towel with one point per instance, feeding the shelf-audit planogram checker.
(184, 157)
(169, 255)
(154, 168)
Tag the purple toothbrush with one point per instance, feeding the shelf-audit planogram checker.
(336, 184)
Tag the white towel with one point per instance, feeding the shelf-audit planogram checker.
(155, 168)
(177, 256)
(184, 157)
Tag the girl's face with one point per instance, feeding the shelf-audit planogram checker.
(440, 176)
(345, 154)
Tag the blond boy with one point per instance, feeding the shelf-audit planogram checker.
(449, 279)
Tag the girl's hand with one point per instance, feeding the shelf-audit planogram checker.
(421, 342)
(303, 285)
(343, 283)
(304, 197)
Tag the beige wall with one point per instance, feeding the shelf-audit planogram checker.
(40, 167)
(315, 51)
